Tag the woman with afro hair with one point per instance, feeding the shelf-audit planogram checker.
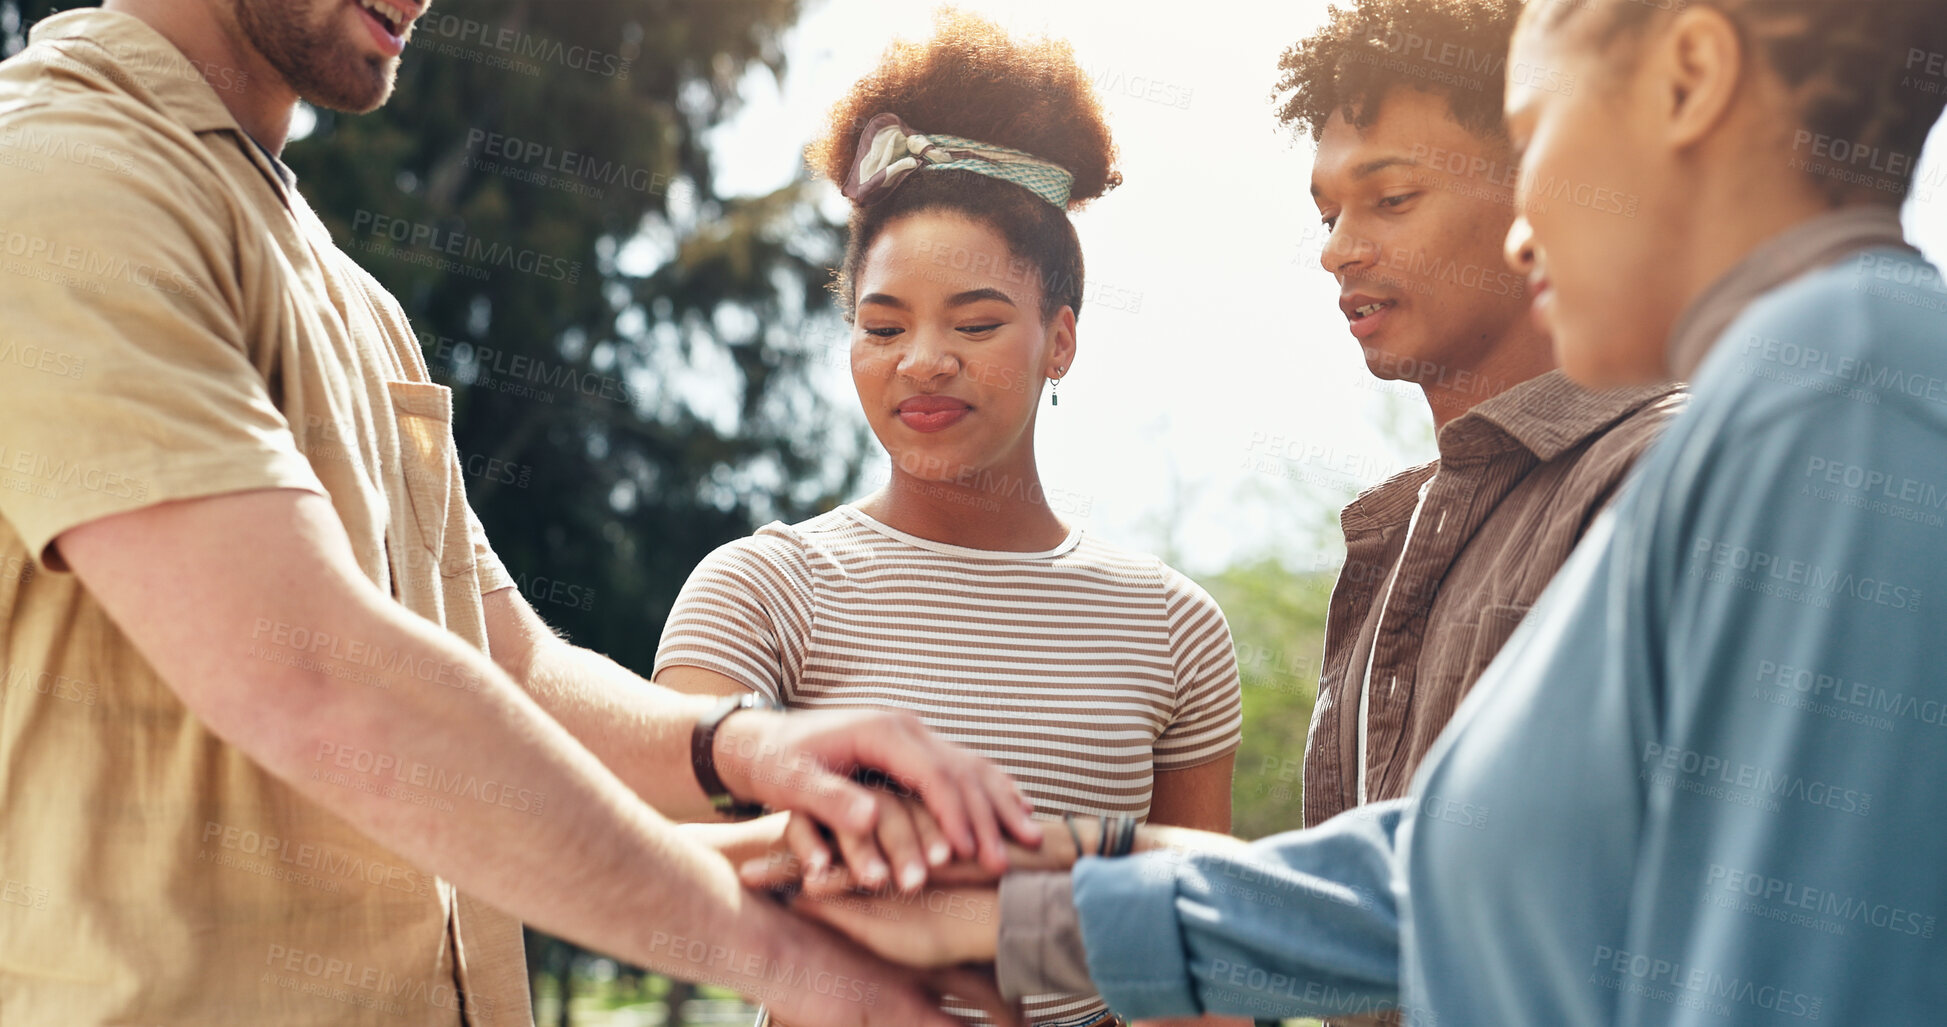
(1103, 681)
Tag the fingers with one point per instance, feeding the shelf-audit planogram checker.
(967, 785)
(903, 835)
(973, 803)
(862, 856)
(899, 842)
(803, 840)
(770, 873)
(992, 850)
(937, 851)
(974, 807)
(934, 770)
(845, 807)
(803, 860)
(908, 838)
(1016, 811)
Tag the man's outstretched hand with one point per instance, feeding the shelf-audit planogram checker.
(806, 762)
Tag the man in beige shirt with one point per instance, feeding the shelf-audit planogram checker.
(280, 743)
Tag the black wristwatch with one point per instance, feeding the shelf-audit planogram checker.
(703, 754)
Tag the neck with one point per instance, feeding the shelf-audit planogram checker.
(1000, 508)
(253, 90)
(1762, 211)
(1524, 352)
(1728, 197)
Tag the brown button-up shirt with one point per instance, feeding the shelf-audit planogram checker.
(176, 323)
(1519, 478)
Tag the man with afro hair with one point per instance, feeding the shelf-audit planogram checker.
(1414, 181)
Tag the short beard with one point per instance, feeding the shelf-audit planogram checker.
(315, 60)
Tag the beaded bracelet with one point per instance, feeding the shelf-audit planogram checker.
(1125, 837)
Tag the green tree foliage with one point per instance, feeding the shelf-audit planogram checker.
(1277, 619)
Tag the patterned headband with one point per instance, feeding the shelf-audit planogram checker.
(889, 151)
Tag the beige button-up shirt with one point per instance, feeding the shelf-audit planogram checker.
(1519, 478)
(176, 323)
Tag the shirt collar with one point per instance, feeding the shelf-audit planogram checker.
(1803, 247)
(136, 57)
(1385, 505)
(1547, 415)
(149, 68)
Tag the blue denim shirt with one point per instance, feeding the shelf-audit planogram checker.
(1702, 782)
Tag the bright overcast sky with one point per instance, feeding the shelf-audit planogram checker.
(1229, 333)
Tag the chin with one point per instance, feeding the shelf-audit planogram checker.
(358, 90)
(342, 76)
(942, 464)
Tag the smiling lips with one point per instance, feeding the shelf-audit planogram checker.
(931, 413)
(1366, 313)
(390, 21)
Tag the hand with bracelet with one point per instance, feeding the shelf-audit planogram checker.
(890, 795)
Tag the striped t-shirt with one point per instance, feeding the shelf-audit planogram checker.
(1080, 671)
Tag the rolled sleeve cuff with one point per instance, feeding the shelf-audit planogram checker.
(41, 518)
(1040, 946)
(1131, 935)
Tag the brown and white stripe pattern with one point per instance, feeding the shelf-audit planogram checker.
(1080, 670)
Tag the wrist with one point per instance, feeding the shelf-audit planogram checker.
(983, 936)
(1101, 836)
(1080, 839)
(735, 749)
(723, 746)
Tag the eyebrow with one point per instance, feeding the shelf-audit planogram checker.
(961, 299)
(1373, 167)
(958, 299)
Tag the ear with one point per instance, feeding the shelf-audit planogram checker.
(1700, 60)
(1061, 332)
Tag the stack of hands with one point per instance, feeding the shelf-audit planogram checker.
(894, 877)
(904, 868)
(903, 888)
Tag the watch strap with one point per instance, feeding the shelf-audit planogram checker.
(703, 758)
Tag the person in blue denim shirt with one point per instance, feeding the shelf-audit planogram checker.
(1699, 784)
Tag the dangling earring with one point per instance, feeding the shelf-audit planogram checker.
(1054, 390)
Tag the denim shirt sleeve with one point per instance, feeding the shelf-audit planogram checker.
(1796, 758)
(1299, 924)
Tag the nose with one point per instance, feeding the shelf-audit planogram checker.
(1343, 250)
(927, 356)
(1519, 249)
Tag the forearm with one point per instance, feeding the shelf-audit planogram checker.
(639, 729)
(440, 756)
(1199, 927)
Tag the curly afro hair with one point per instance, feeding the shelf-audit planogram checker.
(972, 80)
(1452, 48)
(1848, 64)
